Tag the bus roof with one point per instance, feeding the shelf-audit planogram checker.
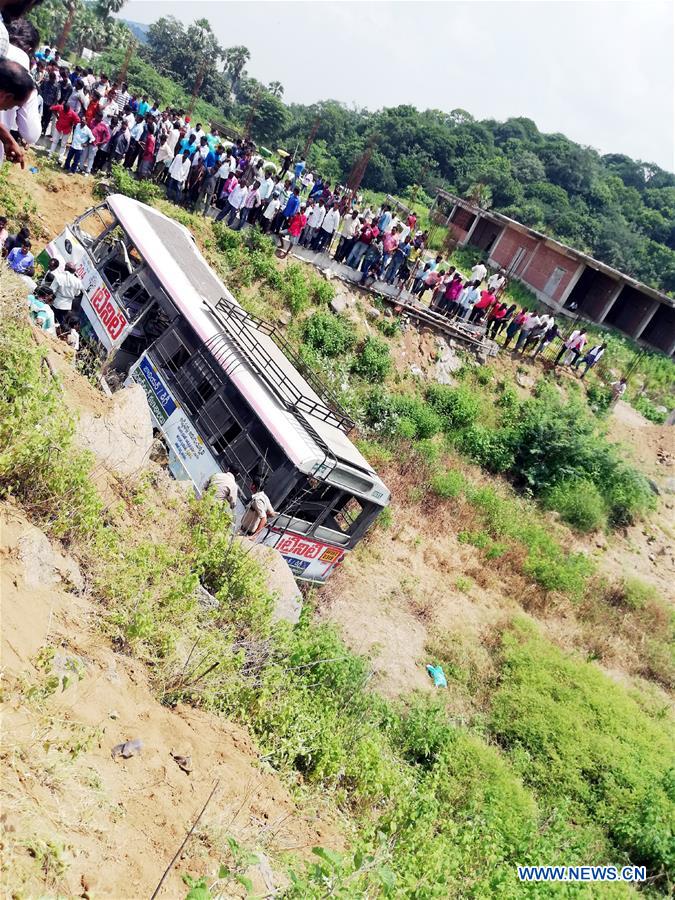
(169, 248)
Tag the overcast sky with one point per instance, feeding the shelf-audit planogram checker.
(600, 72)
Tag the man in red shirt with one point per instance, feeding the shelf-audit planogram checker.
(295, 228)
(366, 237)
(66, 119)
(482, 307)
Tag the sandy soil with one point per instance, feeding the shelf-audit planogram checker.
(112, 825)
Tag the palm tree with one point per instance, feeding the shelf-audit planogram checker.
(235, 60)
(276, 89)
(106, 8)
(88, 33)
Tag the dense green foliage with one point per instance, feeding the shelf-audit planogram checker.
(619, 209)
(38, 464)
(329, 334)
(550, 447)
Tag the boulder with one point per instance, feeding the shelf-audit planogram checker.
(281, 583)
(669, 485)
(339, 304)
(43, 565)
(373, 313)
(285, 317)
(121, 438)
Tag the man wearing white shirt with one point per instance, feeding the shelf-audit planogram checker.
(329, 226)
(178, 172)
(67, 286)
(315, 218)
(478, 272)
(26, 119)
(347, 231)
(495, 281)
(235, 201)
(266, 187)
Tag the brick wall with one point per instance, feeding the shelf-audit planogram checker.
(508, 245)
(543, 265)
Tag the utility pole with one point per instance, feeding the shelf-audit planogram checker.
(199, 80)
(361, 164)
(312, 135)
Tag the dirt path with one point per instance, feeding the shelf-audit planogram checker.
(75, 821)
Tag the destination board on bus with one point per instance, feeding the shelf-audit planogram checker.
(181, 435)
(100, 306)
(306, 557)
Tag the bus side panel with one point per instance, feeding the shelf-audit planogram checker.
(190, 452)
(105, 315)
(307, 558)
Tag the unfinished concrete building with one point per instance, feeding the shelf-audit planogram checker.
(568, 281)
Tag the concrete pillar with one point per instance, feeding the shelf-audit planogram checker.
(448, 221)
(471, 230)
(572, 283)
(645, 320)
(609, 303)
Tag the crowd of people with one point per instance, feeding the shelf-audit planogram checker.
(89, 122)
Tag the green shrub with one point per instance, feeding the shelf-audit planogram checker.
(628, 495)
(577, 737)
(637, 594)
(143, 190)
(321, 291)
(459, 406)
(484, 375)
(489, 447)
(389, 327)
(448, 484)
(410, 409)
(373, 360)
(599, 397)
(648, 409)
(39, 464)
(579, 503)
(294, 288)
(329, 334)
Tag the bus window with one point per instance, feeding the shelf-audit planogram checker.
(116, 257)
(93, 224)
(346, 514)
(218, 425)
(347, 521)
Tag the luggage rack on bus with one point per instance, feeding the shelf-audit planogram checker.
(240, 326)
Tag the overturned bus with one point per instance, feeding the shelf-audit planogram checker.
(223, 387)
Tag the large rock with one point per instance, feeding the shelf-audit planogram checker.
(43, 565)
(120, 438)
(281, 583)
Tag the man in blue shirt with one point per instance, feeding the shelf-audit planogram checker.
(384, 221)
(20, 259)
(292, 204)
(299, 169)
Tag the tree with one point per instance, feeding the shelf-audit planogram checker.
(88, 32)
(107, 8)
(276, 89)
(235, 60)
(72, 7)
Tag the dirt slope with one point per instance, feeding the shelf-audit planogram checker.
(76, 821)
